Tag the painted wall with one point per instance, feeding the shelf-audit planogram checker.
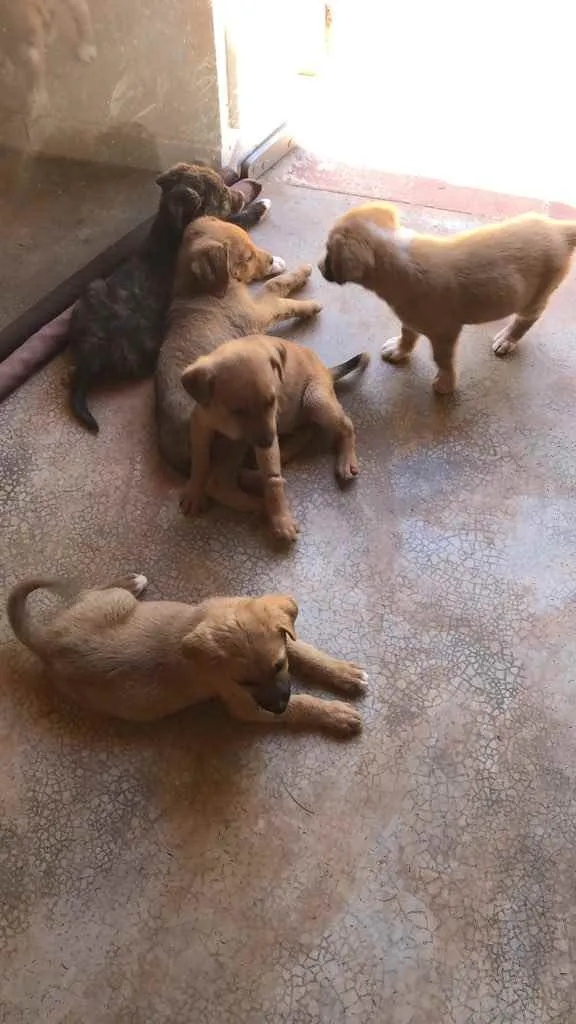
(153, 94)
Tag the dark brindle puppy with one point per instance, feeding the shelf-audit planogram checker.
(117, 326)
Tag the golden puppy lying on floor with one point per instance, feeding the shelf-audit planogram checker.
(212, 304)
(257, 390)
(436, 285)
(141, 662)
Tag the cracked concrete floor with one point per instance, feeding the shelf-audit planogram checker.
(198, 871)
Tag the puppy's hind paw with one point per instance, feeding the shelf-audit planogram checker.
(136, 583)
(391, 352)
(284, 529)
(502, 344)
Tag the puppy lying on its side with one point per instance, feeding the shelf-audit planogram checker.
(117, 326)
(259, 390)
(437, 285)
(212, 304)
(140, 662)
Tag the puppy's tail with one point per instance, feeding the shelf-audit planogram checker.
(358, 362)
(30, 634)
(78, 402)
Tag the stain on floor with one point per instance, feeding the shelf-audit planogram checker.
(200, 871)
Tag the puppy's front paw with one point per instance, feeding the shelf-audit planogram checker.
(192, 502)
(502, 344)
(284, 529)
(346, 468)
(444, 383)
(342, 719)
(349, 678)
(312, 308)
(391, 352)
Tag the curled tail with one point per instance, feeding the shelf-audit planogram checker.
(358, 362)
(33, 636)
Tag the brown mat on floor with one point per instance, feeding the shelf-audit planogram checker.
(309, 171)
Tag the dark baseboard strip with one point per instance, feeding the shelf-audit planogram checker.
(65, 294)
(268, 153)
(33, 354)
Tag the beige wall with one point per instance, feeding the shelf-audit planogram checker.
(153, 94)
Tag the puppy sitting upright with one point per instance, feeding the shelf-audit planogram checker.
(211, 304)
(256, 390)
(436, 285)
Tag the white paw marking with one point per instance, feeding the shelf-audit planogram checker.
(390, 352)
(140, 582)
(365, 678)
(404, 234)
(87, 52)
(278, 265)
(266, 202)
(502, 345)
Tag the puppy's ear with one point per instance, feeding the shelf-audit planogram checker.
(285, 613)
(183, 204)
(198, 380)
(173, 176)
(349, 256)
(209, 266)
(201, 640)
(278, 357)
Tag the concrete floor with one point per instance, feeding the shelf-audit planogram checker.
(198, 871)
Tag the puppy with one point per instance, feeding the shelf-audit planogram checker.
(212, 304)
(436, 285)
(27, 30)
(116, 328)
(141, 662)
(257, 390)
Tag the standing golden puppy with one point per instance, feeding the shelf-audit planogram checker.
(437, 285)
(261, 390)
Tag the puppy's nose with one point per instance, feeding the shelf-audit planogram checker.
(274, 698)
(326, 270)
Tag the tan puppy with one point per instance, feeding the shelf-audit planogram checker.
(436, 285)
(141, 662)
(212, 304)
(257, 390)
